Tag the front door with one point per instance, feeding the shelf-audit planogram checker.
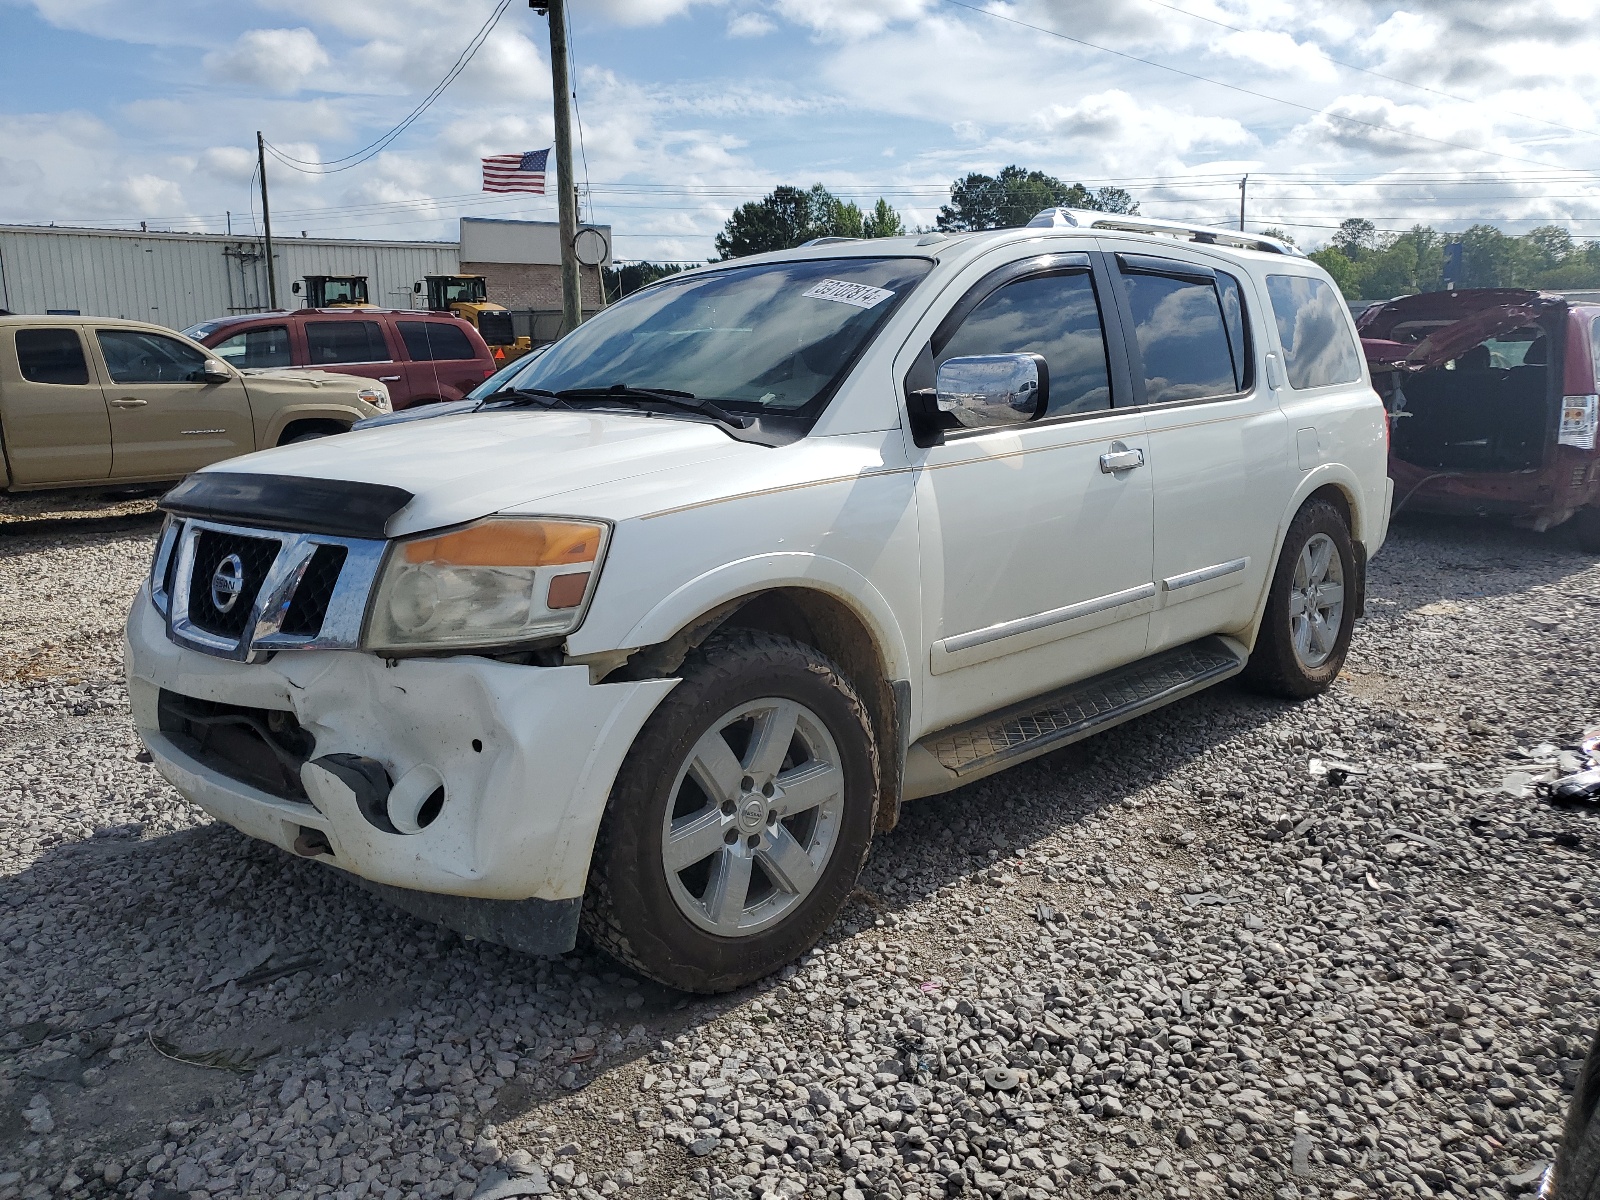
(1219, 459)
(1036, 557)
(167, 419)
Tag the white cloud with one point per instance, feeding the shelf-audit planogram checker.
(850, 19)
(281, 60)
(1280, 54)
(645, 12)
(751, 25)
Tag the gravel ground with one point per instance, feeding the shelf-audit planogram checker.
(1236, 948)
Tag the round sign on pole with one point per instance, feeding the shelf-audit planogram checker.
(590, 247)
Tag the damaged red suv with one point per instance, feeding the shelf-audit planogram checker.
(1494, 399)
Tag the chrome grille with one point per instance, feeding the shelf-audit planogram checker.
(243, 593)
(227, 612)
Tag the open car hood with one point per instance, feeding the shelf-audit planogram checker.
(1474, 315)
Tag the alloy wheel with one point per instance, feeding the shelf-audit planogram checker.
(753, 818)
(1316, 601)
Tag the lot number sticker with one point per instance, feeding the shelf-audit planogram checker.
(858, 294)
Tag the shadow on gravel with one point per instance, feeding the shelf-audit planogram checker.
(45, 527)
(162, 939)
(1468, 558)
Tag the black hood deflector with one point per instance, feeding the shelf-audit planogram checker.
(288, 502)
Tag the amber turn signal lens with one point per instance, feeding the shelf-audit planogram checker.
(511, 543)
(566, 591)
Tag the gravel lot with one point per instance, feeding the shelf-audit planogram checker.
(1185, 959)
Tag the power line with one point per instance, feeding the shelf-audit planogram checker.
(372, 149)
(1382, 127)
(1376, 74)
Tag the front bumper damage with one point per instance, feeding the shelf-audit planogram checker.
(525, 757)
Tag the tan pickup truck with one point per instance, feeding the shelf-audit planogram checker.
(86, 400)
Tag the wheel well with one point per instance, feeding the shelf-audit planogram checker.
(1335, 495)
(824, 623)
(323, 425)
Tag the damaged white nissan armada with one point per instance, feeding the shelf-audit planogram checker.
(657, 636)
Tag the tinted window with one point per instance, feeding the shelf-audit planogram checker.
(778, 336)
(267, 347)
(429, 340)
(1233, 317)
(345, 342)
(133, 356)
(1314, 330)
(51, 356)
(1056, 316)
(1183, 340)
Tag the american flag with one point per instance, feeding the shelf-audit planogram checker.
(515, 172)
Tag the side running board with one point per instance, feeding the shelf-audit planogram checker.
(1073, 713)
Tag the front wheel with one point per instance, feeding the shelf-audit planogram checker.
(740, 819)
(1305, 631)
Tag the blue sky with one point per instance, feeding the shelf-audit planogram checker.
(112, 114)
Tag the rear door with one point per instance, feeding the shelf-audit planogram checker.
(167, 419)
(52, 409)
(357, 346)
(444, 362)
(256, 347)
(1220, 463)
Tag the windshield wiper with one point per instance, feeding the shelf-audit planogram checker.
(668, 396)
(539, 396)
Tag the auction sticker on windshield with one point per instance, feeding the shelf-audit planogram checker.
(859, 294)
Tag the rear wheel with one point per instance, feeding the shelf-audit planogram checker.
(740, 819)
(1587, 526)
(1305, 632)
(1577, 1168)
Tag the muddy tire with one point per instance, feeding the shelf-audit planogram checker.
(740, 819)
(1586, 525)
(1305, 632)
(1577, 1168)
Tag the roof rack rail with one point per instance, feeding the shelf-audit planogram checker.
(828, 241)
(1056, 218)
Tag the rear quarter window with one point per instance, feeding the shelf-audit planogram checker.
(345, 342)
(1314, 331)
(51, 356)
(428, 341)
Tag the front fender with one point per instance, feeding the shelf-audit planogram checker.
(766, 572)
(282, 418)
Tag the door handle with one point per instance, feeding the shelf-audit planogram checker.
(1121, 460)
(388, 379)
(128, 402)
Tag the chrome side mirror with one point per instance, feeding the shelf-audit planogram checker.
(987, 390)
(214, 372)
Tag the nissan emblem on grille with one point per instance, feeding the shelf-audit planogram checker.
(226, 583)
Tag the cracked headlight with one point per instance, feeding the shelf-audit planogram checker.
(497, 582)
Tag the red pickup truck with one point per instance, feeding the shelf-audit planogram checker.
(1494, 400)
(421, 356)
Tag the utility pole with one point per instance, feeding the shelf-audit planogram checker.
(567, 195)
(266, 221)
(1242, 184)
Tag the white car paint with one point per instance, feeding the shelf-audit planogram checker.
(986, 569)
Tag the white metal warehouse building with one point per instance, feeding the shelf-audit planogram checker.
(181, 279)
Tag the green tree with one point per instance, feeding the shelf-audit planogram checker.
(883, 221)
(630, 277)
(1015, 196)
(1357, 238)
(1282, 235)
(787, 217)
(1345, 273)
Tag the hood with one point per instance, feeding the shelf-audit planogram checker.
(459, 468)
(1469, 317)
(296, 378)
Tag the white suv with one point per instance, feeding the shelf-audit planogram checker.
(657, 637)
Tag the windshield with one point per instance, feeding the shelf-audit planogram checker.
(774, 338)
(502, 378)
